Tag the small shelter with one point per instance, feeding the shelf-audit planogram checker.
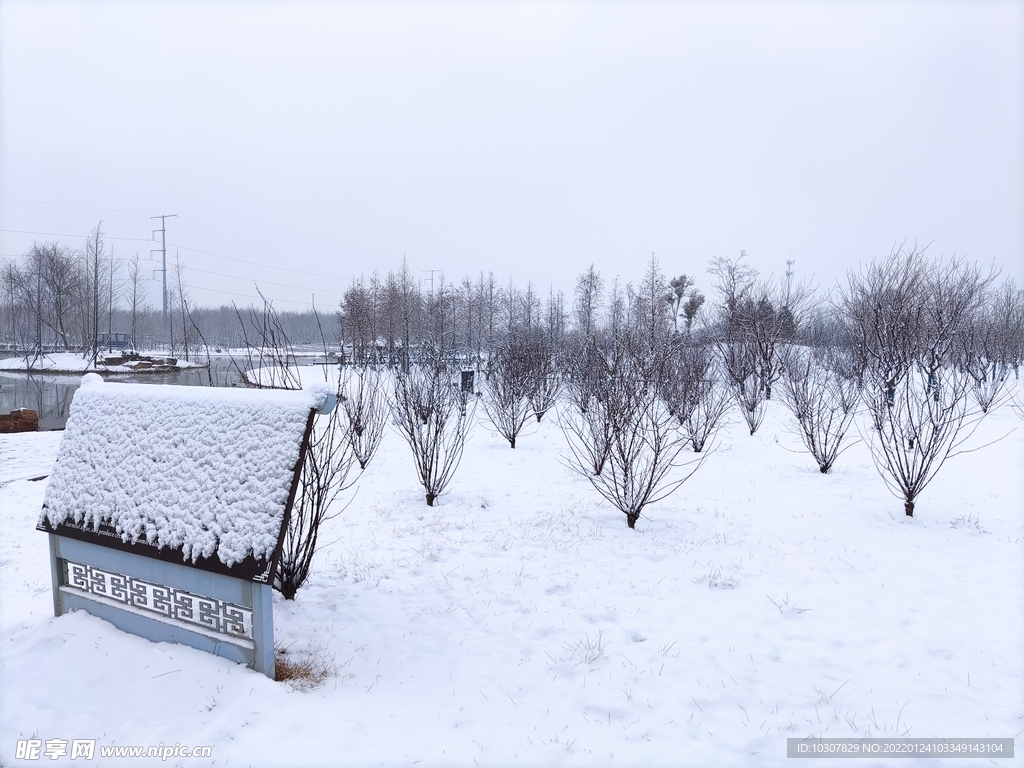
(167, 508)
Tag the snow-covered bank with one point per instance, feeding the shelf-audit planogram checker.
(520, 622)
(70, 362)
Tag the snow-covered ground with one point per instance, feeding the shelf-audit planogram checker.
(521, 622)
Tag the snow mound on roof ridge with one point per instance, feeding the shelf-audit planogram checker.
(204, 470)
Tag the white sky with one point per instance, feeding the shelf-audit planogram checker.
(327, 139)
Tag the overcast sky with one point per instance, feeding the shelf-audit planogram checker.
(304, 144)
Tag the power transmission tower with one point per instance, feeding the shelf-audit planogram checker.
(432, 271)
(163, 249)
(789, 278)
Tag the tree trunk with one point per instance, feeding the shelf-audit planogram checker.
(430, 499)
(631, 520)
(909, 508)
(512, 442)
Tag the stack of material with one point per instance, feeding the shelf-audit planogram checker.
(21, 420)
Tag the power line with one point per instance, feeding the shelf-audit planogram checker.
(223, 274)
(122, 259)
(191, 268)
(242, 237)
(262, 282)
(177, 245)
(65, 234)
(198, 250)
(253, 263)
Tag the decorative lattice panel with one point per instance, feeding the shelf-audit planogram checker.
(176, 605)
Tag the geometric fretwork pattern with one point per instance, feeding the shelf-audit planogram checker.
(211, 614)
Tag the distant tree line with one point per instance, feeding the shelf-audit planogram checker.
(90, 301)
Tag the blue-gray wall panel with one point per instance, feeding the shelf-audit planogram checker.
(157, 631)
(258, 597)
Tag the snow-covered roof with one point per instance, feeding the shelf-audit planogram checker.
(204, 471)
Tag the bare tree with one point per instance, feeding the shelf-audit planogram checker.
(545, 380)
(815, 396)
(325, 474)
(487, 302)
(136, 297)
(589, 434)
(366, 409)
(882, 310)
(25, 287)
(916, 425)
(749, 395)
(512, 310)
(589, 299)
(643, 449)
(61, 282)
(709, 412)
(94, 270)
(734, 282)
(617, 311)
(739, 362)
(431, 415)
(586, 373)
(188, 340)
(14, 316)
(835, 351)
(269, 355)
(468, 344)
(509, 385)
(113, 295)
(731, 331)
(438, 336)
(649, 308)
(357, 319)
(694, 394)
(769, 320)
(989, 346)
(953, 296)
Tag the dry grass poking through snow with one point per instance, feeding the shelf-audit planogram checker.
(303, 670)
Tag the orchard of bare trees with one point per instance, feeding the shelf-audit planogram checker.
(907, 354)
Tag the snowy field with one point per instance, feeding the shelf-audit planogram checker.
(520, 621)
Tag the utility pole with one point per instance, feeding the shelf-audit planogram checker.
(163, 249)
(789, 277)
